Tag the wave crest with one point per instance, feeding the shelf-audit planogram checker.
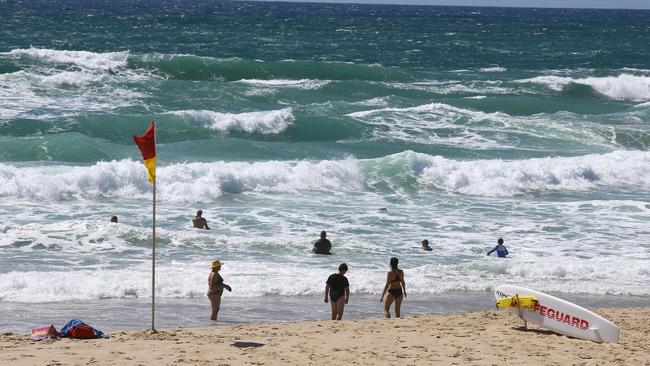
(621, 87)
(265, 122)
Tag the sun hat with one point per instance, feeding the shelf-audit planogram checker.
(216, 263)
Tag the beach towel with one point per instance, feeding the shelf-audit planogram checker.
(42, 333)
(76, 328)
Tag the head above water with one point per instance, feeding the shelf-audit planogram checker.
(343, 267)
(199, 213)
(425, 243)
(500, 241)
(114, 219)
(393, 262)
(323, 234)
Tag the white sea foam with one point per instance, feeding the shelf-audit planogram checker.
(262, 122)
(444, 124)
(306, 84)
(85, 59)
(621, 87)
(205, 182)
(510, 178)
(494, 69)
(450, 87)
(252, 278)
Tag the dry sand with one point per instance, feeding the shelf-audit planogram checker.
(475, 338)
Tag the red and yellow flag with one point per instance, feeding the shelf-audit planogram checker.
(147, 145)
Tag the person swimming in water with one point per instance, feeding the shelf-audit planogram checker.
(199, 222)
(396, 288)
(425, 245)
(501, 250)
(338, 289)
(114, 219)
(322, 245)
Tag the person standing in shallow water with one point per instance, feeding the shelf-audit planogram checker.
(199, 222)
(338, 289)
(396, 288)
(322, 245)
(215, 289)
(501, 250)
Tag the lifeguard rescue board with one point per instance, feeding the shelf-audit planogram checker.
(561, 316)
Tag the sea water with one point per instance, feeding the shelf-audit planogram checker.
(280, 120)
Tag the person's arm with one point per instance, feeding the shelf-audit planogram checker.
(383, 293)
(327, 290)
(403, 283)
(347, 294)
(493, 249)
(205, 224)
(506, 249)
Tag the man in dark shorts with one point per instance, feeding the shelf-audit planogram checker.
(338, 289)
(322, 245)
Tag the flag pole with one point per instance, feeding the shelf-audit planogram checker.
(153, 258)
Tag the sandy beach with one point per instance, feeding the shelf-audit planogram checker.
(471, 338)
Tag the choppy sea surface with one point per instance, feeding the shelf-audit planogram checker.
(280, 120)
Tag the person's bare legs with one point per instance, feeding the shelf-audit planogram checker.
(215, 302)
(340, 306)
(398, 304)
(387, 304)
(335, 309)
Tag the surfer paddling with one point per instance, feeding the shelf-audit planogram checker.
(501, 250)
(396, 288)
(338, 289)
(199, 222)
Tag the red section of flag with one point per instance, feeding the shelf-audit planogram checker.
(147, 142)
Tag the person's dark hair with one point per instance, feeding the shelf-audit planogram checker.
(199, 213)
(114, 219)
(343, 267)
(393, 262)
(425, 241)
(323, 234)
(500, 241)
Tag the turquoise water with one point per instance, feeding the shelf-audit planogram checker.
(280, 120)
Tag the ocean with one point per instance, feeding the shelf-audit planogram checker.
(280, 120)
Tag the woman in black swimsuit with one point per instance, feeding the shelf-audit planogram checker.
(395, 287)
(338, 289)
(215, 289)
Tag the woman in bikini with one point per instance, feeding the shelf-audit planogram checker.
(395, 287)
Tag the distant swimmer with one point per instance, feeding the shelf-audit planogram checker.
(501, 250)
(383, 210)
(425, 245)
(114, 219)
(338, 289)
(322, 245)
(199, 222)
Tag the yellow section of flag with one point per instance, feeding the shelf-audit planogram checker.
(151, 169)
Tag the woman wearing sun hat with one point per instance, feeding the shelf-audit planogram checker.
(215, 288)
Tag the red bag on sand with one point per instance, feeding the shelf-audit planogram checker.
(82, 331)
(49, 332)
